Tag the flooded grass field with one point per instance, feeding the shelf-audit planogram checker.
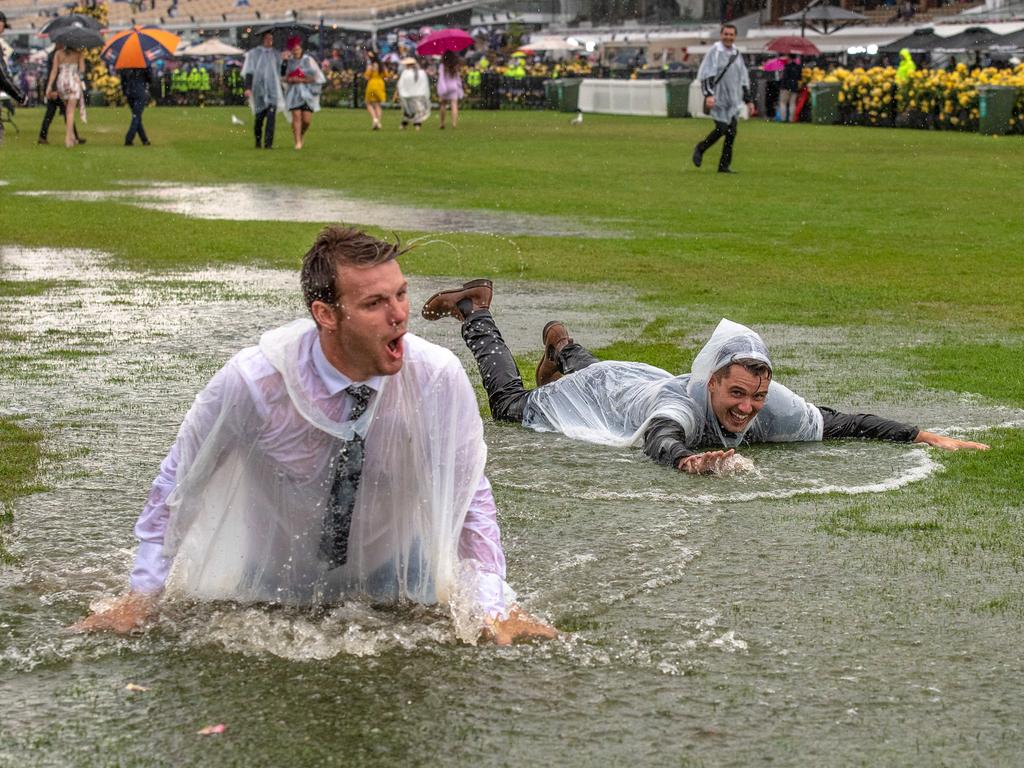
(706, 621)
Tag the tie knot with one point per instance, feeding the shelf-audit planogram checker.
(360, 399)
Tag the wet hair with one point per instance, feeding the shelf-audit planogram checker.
(758, 368)
(729, 26)
(450, 62)
(335, 247)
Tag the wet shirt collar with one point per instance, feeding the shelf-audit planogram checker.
(334, 380)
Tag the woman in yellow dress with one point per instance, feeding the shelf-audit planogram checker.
(375, 93)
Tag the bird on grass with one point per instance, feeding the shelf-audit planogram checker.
(578, 120)
(236, 121)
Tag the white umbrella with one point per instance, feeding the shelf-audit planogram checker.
(210, 48)
(550, 44)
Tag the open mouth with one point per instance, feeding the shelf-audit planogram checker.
(395, 346)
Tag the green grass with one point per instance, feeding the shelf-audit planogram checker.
(846, 227)
(19, 460)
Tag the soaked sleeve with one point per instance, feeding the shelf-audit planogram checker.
(151, 567)
(864, 425)
(480, 542)
(665, 441)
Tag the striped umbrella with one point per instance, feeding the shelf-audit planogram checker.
(138, 47)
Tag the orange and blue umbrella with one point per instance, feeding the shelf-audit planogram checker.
(138, 47)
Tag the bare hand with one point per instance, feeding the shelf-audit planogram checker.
(948, 443)
(709, 101)
(707, 463)
(518, 626)
(129, 613)
(248, 93)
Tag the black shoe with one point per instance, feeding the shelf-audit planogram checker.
(128, 144)
(258, 145)
(698, 155)
(80, 141)
(726, 170)
(42, 141)
(145, 143)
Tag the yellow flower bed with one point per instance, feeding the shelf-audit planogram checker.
(930, 98)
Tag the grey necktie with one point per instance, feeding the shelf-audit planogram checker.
(349, 467)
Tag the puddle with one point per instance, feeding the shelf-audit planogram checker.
(249, 202)
(706, 606)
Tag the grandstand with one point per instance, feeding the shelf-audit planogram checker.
(29, 16)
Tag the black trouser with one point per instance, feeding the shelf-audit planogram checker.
(721, 129)
(137, 104)
(52, 107)
(270, 116)
(505, 391)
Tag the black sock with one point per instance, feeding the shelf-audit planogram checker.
(465, 306)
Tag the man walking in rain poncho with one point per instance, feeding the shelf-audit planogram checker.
(341, 456)
(725, 86)
(262, 73)
(692, 422)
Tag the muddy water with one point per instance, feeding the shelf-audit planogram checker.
(250, 202)
(711, 621)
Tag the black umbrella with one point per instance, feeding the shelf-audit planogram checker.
(77, 37)
(918, 41)
(282, 31)
(971, 39)
(71, 20)
(823, 18)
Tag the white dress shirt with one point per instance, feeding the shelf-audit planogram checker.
(479, 541)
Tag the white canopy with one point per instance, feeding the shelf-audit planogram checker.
(209, 48)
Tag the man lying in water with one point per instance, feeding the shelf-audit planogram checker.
(692, 422)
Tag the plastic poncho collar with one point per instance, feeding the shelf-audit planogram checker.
(613, 402)
(247, 513)
(264, 64)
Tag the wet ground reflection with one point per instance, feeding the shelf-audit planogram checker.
(702, 611)
(249, 202)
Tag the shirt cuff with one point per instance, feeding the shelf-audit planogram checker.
(490, 595)
(151, 568)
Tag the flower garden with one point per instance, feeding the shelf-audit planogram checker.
(930, 98)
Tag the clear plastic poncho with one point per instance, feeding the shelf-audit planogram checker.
(247, 514)
(613, 402)
(414, 94)
(729, 91)
(264, 64)
(307, 93)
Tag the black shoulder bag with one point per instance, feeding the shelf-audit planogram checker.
(714, 83)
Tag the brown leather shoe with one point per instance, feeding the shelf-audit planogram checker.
(556, 338)
(445, 303)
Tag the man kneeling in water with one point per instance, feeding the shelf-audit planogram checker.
(728, 399)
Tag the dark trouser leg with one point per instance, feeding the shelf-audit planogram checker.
(136, 105)
(730, 137)
(268, 136)
(505, 392)
(52, 105)
(574, 358)
(711, 138)
(257, 126)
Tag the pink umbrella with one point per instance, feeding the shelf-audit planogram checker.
(443, 40)
(774, 65)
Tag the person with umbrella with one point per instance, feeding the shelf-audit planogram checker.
(726, 86)
(262, 73)
(135, 87)
(65, 82)
(305, 80)
(449, 87)
(55, 104)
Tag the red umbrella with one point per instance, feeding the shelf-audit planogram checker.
(793, 44)
(443, 40)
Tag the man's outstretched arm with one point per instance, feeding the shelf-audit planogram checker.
(836, 425)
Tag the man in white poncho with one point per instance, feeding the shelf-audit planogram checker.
(340, 456)
(692, 422)
(262, 73)
(725, 85)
